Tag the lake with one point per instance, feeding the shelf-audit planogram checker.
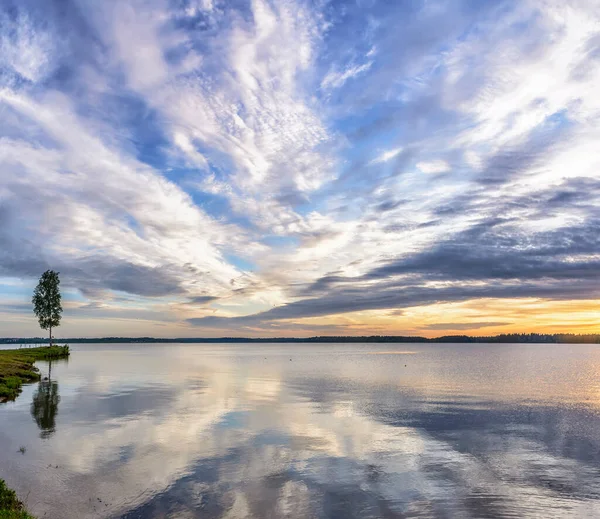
(309, 431)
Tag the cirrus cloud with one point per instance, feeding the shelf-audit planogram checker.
(265, 162)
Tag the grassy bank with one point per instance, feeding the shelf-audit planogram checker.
(16, 367)
(10, 506)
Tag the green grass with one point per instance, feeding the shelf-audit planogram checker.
(16, 367)
(10, 506)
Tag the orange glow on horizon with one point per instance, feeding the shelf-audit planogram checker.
(478, 317)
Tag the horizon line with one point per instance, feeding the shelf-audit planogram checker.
(505, 337)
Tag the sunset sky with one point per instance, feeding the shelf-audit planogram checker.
(292, 168)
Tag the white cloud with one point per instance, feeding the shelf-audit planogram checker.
(257, 116)
(434, 166)
(521, 88)
(241, 109)
(184, 143)
(387, 155)
(473, 159)
(85, 192)
(336, 79)
(26, 50)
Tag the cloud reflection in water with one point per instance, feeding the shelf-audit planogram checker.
(227, 432)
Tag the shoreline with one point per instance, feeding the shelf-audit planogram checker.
(10, 506)
(17, 367)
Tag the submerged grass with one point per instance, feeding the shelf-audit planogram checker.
(10, 506)
(16, 367)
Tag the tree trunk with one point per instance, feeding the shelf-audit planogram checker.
(50, 335)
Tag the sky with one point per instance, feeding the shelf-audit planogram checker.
(203, 168)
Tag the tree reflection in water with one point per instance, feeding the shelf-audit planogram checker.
(45, 406)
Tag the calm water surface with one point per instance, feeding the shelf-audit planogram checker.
(309, 431)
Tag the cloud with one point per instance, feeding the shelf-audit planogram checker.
(488, 260)
(464, 326)
(300, 160)
(202, 299)
(387, 156)
(336, 79)
(434, 166)
(26, 51)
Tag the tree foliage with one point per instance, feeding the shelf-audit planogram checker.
(47, 301)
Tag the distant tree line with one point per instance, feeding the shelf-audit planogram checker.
(539, 338)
